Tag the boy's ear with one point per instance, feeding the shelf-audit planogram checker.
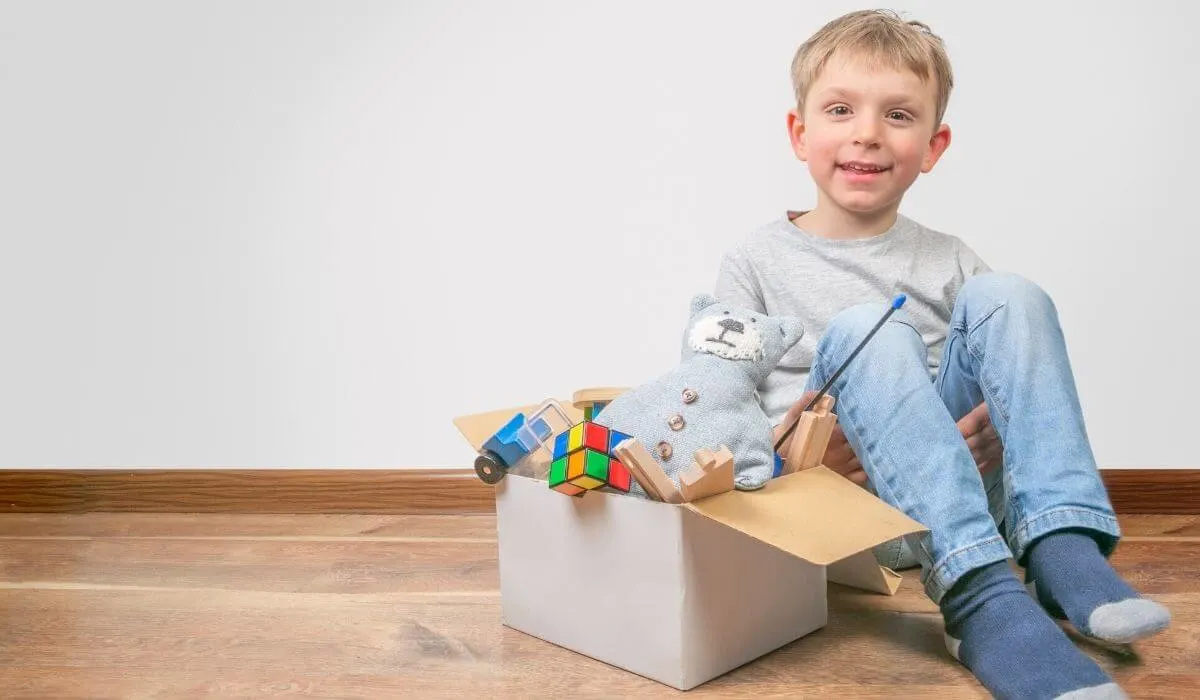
(795, 124)
(937, 146)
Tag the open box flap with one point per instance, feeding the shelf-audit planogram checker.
(813, 514)
(863, 571)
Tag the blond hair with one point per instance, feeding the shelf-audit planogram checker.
(883, 39)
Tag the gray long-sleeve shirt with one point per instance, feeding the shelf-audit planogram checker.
(782, 270)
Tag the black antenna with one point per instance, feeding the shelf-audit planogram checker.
(896, 303)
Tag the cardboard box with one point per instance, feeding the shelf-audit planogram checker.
(682, 593)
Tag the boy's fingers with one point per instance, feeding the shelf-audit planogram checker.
(987, 453)
(859, 477)
(792, 415)
(844, 467)
(974, 421)
(982, 438)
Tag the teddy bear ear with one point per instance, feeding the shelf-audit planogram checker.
(701, 302)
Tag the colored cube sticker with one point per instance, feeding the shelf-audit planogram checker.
(583, 460)
(618, 476)
(615, 438)
(560, 444)
(595, 437)
(575, 437)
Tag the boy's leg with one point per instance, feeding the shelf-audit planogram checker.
(908, 444)
(1005, 346)
(917, 461)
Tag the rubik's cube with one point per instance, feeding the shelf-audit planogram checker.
(584, 460)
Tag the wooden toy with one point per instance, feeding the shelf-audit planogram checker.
(584, 460)
(647, 472)
(593, 400)
(812, 436)
(816, 424)
(709, 475)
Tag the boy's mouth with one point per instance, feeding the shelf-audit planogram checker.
(856, 166)
(858, 172)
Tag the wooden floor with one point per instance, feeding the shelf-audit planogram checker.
(378, 606)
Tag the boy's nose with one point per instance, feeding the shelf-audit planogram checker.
(731, 325)
(866, 133)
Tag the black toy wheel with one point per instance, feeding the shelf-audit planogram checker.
(490, 470)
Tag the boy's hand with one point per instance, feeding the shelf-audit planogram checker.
(839, 457)
(977, 429)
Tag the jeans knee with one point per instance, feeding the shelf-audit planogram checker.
(1005, 288)
(850, 326)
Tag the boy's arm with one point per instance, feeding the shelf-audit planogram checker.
(969, 262)
(737, 283)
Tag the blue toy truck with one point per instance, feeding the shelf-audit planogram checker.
(519, 438)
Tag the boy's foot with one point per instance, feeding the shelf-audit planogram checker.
(997, 631)
(1066, 572)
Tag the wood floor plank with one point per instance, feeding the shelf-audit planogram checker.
(337, 524)
(351, 606)
(463, 647)
(254, 565)
(1154, 567)
(1157, 525)
(242, 524)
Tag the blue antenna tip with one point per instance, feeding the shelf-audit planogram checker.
(899, 301)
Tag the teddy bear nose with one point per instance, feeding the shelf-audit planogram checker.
(731, 325)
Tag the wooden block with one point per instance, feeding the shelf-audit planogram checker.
(706, 458)
(800, 439)
(647, 472)
(591, 395)
(690, 477)
(818, 442)
(697, 483)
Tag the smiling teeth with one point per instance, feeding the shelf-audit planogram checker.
(863, 170)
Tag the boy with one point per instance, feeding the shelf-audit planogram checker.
(871, 92)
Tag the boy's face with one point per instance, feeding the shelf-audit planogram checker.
(866, 135)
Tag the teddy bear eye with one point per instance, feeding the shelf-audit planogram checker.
(726, 313)
(754, 320)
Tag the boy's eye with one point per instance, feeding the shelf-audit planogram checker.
(899, 115)
(835, 110)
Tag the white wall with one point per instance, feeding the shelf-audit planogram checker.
(308, 234)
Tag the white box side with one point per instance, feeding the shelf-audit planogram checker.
(742, 599)
(600, 575)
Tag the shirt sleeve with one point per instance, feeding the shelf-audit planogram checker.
(969, 262)
(738, 285)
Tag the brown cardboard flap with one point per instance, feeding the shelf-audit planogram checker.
(478, 427)
(862, 570)
(814, 514)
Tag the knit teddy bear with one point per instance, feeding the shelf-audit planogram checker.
(709, 400)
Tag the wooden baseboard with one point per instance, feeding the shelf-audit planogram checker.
(1153, 491)
(245, 491)
(430, 491)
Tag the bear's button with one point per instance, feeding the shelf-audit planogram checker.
(689, 396)
(664, 449)
(676, 422)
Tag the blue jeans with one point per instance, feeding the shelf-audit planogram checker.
(1004, 346)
